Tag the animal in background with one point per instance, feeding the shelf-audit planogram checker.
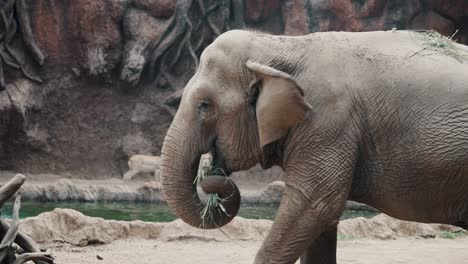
(150, 164)
(142, 164)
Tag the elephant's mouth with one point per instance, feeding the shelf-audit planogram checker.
(219, 163)
(224, 196)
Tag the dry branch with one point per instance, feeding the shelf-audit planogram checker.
(34, 257)
(9, 189)
(23, 240)
(10, 235)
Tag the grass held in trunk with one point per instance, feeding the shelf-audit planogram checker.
(214, 205)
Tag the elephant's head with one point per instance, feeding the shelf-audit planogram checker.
(234, 106)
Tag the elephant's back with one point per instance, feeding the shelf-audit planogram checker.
(399, 43)
(398, 47)
(406, 59)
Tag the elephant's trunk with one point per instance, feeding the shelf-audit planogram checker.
(180, 157)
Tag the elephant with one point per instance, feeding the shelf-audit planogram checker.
(379, 118)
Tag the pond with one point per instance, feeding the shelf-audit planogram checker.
(149, 212)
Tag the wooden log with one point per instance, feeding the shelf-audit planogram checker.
(45, 257)
(24, 241)
(10, 235)
(9, 189)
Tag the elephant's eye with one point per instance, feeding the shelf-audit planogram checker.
(203, 106)
(205, 109)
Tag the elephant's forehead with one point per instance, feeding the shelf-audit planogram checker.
(233, 40)
(227, 95)
(217, 71)
(226, 51)
(215, 59)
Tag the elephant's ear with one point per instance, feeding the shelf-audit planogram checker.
(280, 104)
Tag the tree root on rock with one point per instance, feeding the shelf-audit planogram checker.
(172, 34)
(9, 253)
(179, 33)
(10, 25)
(178, 36)
(172, 101)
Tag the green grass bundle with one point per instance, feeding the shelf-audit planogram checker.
(214, 206)
(441, 43)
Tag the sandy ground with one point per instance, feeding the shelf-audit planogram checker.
(401, 250)
(75, 238)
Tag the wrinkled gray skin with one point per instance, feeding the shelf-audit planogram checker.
(377, 125)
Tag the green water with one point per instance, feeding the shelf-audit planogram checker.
(149, 212)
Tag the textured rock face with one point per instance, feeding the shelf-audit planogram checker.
(259, 10)
(142, 31)
(99, 104)
(342, 15)
(83, 31)
(157, 8)
(295, 17)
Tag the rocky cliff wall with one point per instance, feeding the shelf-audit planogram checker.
(112, 71)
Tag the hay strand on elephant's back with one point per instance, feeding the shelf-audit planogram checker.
(444, 44)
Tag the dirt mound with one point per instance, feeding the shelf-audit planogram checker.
(385, 227)
(70, 226)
